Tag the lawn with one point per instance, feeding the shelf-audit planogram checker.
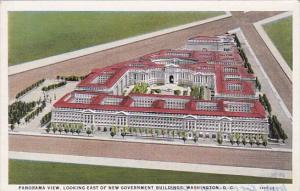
(280, 33)
(35, 35)
(30, 172)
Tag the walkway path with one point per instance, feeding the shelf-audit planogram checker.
(174, 166)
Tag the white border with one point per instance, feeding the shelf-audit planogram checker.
(155, 6)
(259, 28)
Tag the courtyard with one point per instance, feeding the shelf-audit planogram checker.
(198, 92)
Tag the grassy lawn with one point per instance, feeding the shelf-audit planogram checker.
(29, 172)
(35, 35)
(280, 33)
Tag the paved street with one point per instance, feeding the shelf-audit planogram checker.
(152, 152)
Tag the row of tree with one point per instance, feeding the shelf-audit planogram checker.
(54, 86)
(18, 110)
(67, 128)
(238, 44)
(35, 112)
(237, 138)
(45, 119)
(197, 92)
(244, 57)
(248, 66)
(70, 78)
(257, 84)
(265, 102)
(276, 131)
(23, 92)
(124, 131)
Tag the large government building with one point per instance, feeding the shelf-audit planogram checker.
(102, 99)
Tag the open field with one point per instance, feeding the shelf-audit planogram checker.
(35, 35)
(32, 172)
(280, 33)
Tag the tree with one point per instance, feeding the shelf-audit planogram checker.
(244, 140)
(47, 130)
(112, 134)
(134, 130)
(183, 135)
(251, 141)
(104, 129)
(237, 137)
(265, 141)
(88, 131)
(60, 129)
(78, 131)
(257, 141)
(173, 133)
(122, 134)
(67, 130)
(152, 132)
(201, 93)
(284, 137)
(147, 131)
(231, 139)
(72, 130)
(130, 130)
(54, 129)
(141, 131)
(12, 127)
(158, 132)
(196, 138)
(219, 138)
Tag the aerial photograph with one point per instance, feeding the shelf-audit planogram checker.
(140, 97)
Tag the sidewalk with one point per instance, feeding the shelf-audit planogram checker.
(174, 166)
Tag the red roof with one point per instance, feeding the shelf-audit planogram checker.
(158, 106)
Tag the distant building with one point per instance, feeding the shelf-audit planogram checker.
(214, 43)
(98, 100)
